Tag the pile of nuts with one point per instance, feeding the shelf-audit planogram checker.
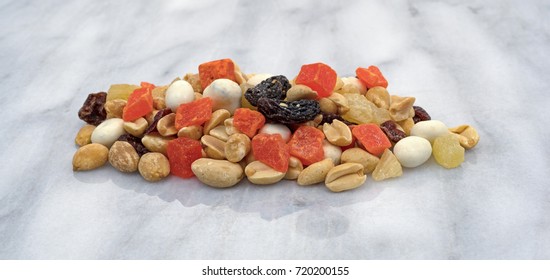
(227, 154)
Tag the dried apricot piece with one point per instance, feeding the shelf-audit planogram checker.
(271, 150)
(372, 138)
(217, 69)
(248, 121)
(140, 103)
(306, 144)
(371, 76)
(182, 152)
(194, 113)
(319, 77)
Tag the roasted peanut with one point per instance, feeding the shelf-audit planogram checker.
(193, 132)
(218, 117)
(295, 167)
(217, 173)
(229, 127)
(84, 135)
(237, 147)
(358, 155)
(261, 174)
(194, 80)
(299, 92)
(166, 126)
(401, 108)
(340, 101)
(123, 157)
(154, 167)
(219, 132)
(406, 125)
(387, 167)
(114, 108)
(151, 116)
(159, 101)
(155, 142)
(214, 147)
(345, 176)
(467, 135)
(379, 96)
(90, 157)
(327, 106)
(315, 173)
(337, 133)
(137, 127)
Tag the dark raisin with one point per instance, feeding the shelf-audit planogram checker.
(329, 118)
(93, 110)
(390, 128)
(272, 88)
(135, 142)
(288, 112)
(153, 126)
(420, 114)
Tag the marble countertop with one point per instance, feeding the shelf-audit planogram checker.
(475, 62)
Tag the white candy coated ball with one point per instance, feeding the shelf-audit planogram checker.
(225, 94)
(108, 132)
(276, 128)
(429, 130)
(412, 151)
(355, 83)
(332, 151)
(179, 92)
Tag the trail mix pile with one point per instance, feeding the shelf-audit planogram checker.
(221, 125)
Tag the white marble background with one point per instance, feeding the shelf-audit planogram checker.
(484, 63)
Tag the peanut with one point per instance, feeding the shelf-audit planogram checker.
(237, 147)
(327, 106)
(137, 127)
(379, 96)
(229, 127)
(194, 80)
(219, 132)
(260, 174)
(315, 173)
(295, 167)
(90, 157)
(337, 133)
(467, 135)
(217, 118)
(358, 155)
(123, 157)
(299, 92)
(340, 101)
(151, 116)
(159, 101)
(214, 147)
(193, 132)
(401, 108)
(332, 151)
(217, 173)
(114, 108)
(84, 135)
(406, 124)
(166, 126)
(155, 142)
(154, 167)
(345, 176)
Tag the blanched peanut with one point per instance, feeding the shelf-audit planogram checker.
(193, 132)
(90, 157)
(345, 176)
(406, 124)
(299, 92)
(137, 127)
(155, 142)
(214, 147)
(123, 157)
(387, 167)
(327, 106)
(217, 173)
(217, 118)
(229, 127)
(337, 133)
(219, 132)
(159, 102)
(154, 167)
(84, 135)
(166, 126)
(295, 167)
(237, 147)
(315, 173)
(340, 101)
(261, 174)
(379, 96)
(358, 155)
(114, 108)
(467, 135)
(401, 108)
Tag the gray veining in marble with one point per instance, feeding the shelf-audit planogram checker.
(484, 63)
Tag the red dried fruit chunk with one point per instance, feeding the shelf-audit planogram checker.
(307, 145)
(319, 77)
(194, 113)
(248, 121)
(371, 76)
(217, 69)
(182, 152)
(272, 150)
(140, 103)
(372, 138)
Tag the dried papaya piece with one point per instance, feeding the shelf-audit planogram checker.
(306, 145)
(193, 113)
(372, 138)
(140, 103)
(248, 121)
(272, 150)
(182, 152)
(319, 77)
(217, 69)
(371, 76)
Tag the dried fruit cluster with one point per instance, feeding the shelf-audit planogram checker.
(222, 125)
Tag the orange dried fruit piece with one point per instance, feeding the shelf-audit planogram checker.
(193, 113)
(182, 152)
(140, 103)
(371, 76)
(271, 150)
(217, 69)
(306, 145)
(372, 138)
(248, 121)
(319, 77)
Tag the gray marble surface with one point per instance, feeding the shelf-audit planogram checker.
(484, 63)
